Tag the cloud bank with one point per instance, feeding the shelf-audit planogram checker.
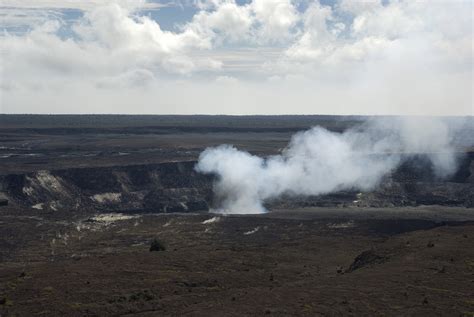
(277, 56)
(318, 162)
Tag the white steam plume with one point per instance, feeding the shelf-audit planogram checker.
(319, 161)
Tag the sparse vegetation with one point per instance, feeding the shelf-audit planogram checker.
(157, 245)
(5, 302)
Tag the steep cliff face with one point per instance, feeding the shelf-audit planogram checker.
(413, 183)
(166, 187)
(176, 187)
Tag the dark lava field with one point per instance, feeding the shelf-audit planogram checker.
(105, 216)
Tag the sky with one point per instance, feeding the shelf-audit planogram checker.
(240, 57)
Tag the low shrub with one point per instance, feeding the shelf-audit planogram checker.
(157, 245)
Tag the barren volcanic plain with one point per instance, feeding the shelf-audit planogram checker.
(84, 199)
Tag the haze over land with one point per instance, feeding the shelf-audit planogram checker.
(236, 57)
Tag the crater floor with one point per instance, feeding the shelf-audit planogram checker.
(284, 263)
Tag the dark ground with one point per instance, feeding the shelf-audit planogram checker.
(29, 143)
(283, 265)
(405, 261)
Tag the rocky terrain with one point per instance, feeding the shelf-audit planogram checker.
(164, 187)
(309, 263)
(176, 187)
(84, 200)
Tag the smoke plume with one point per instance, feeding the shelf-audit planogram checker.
(318, 161)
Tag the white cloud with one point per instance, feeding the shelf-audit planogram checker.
(376, 27)
(401, 57)
(85, 5)
(316, 39)
(228, 21)
(109, 42)
(26, 17)
(359, 7)
(114, 28)
(276, 19)
(258, 22)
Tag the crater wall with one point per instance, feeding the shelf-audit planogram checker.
(176, 187)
